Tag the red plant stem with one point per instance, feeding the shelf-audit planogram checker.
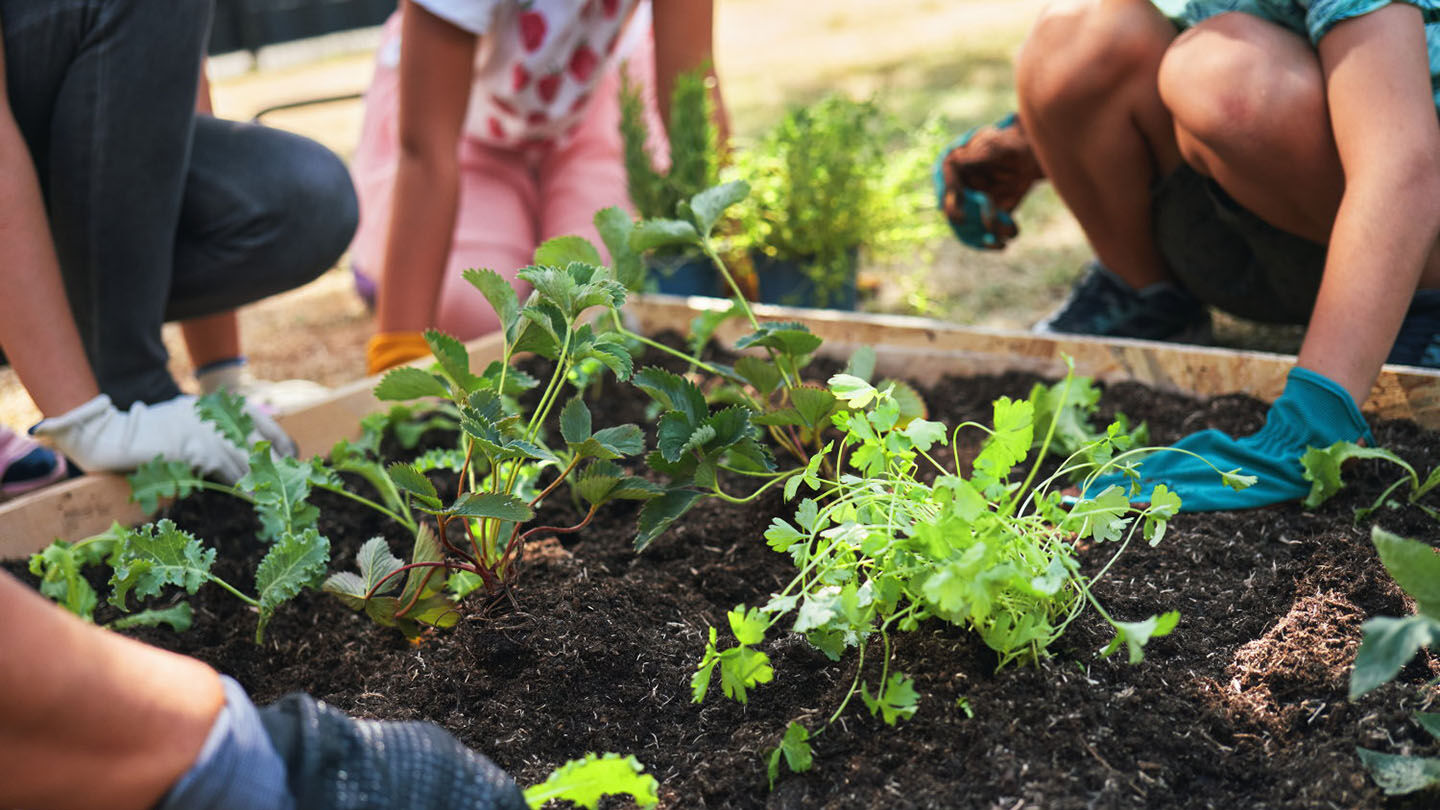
(553, 484)
(402, 569)
(518, 541)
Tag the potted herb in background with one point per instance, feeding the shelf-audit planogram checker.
(694, 167)
(830, 179)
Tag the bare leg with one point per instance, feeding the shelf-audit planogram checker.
(1248, 100)
(89, 718)
(211, 338)
(1089, 102)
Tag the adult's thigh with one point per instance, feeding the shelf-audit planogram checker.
(264, 211)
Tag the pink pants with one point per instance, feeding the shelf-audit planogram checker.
(510, 201)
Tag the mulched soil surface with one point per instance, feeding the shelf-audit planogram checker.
(1244, 705)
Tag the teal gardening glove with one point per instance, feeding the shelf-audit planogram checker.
(1314, 411)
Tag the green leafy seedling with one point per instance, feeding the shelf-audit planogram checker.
(587, 780)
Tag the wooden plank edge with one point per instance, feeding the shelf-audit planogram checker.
(87, 505)
(926, 349)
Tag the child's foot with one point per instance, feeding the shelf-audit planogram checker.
(26, 465)
(980, 178)
(1418, 343)
(1101, 303)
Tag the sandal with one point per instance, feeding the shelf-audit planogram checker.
(979, 179)
(27, 465)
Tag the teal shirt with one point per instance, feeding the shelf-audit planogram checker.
(1309, 18)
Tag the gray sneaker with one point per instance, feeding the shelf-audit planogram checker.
(1102, 304)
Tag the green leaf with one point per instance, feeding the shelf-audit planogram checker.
(795, 747)
(1322, 468)
(1415, 567)
(912, 406)
(502, 299)
(1164, 505)
(622, 440)
(1010, 443)
(60, 567)
(1389, 643)
(453, 359)
(491, 505)
(408, 479)
(226, 411)
(853, 391)
(749, 626)
(759, 372)
(585, 781)
(897, 702)
(1135, 635)
(674, 393)
(376, 565)
(658, 233)
(561, 251)
(609, 349)
(615, 226)
(156, 555)
(179, 617)
(296, 562)
(158, 479)
(279, 488)
(709, 204)
(814, 405)
(658, 513)
(409, 382)
(575, 421)
(925, 434)
(1103, 517)
(1430, 721)
(705, 670)
(792, 338)
(862, 362)
(1398, 775)
(781, 535)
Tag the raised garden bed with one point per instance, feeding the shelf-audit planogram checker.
(1244, 705)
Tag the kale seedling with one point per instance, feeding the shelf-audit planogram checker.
(1322, 470)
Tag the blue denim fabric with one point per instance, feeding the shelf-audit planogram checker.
(158, 213)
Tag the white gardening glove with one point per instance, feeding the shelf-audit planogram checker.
(98, 436)
(274, 396)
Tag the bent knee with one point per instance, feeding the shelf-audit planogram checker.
(1235, 81)
(1082, 50)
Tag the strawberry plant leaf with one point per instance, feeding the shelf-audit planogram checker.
(226, 411)
(912, 405)
(1415, 567)
(561, 251)
(621, 440)
(615, 226)
(760, 373)
(496, 505)
(408, 479)
(158, 478)
(674, 393)
(180, 617)
(454, 360)
(609, 350)
(586, 781)
(377, 565)
(708, 205)
(294, 563)
(502, 298)
(575, 421)
(409, 382)
(1135, 635)
(1398, 775)
(814, 404)
(658, 513)
(657, 233)
(1430, 721)
(795, 748)
(156, 555)
(794, 339)
(861, 363)
(1388, 645)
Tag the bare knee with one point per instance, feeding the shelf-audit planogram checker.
(1235, 84)
(1081, 51)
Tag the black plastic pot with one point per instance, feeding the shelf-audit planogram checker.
(786, 282)
(683, 275)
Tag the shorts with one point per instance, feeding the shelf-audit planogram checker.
(1230, 258)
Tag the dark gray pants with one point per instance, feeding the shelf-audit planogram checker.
(159, 214)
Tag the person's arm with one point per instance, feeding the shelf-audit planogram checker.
(684, 41)
(89, 718)
(436, 67)
(36, 327)
(1382, 110)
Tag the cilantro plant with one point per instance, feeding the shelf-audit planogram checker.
(1322, 470)
(482, 528)
(587, 780)
(1389, 644)
(879, 549)
(1070, 404)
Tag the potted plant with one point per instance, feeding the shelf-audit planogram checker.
(694, 167)
(826, 183)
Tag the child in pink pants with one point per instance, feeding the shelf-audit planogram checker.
(490, 127)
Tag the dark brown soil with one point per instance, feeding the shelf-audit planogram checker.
(1244, 706)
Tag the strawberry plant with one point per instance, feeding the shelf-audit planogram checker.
(880, 549)
(1389, 643)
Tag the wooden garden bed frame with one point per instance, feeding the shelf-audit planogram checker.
(918, 349)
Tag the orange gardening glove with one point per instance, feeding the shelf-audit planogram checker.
(386, 350)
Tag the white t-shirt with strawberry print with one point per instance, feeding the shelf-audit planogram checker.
(538, 62)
